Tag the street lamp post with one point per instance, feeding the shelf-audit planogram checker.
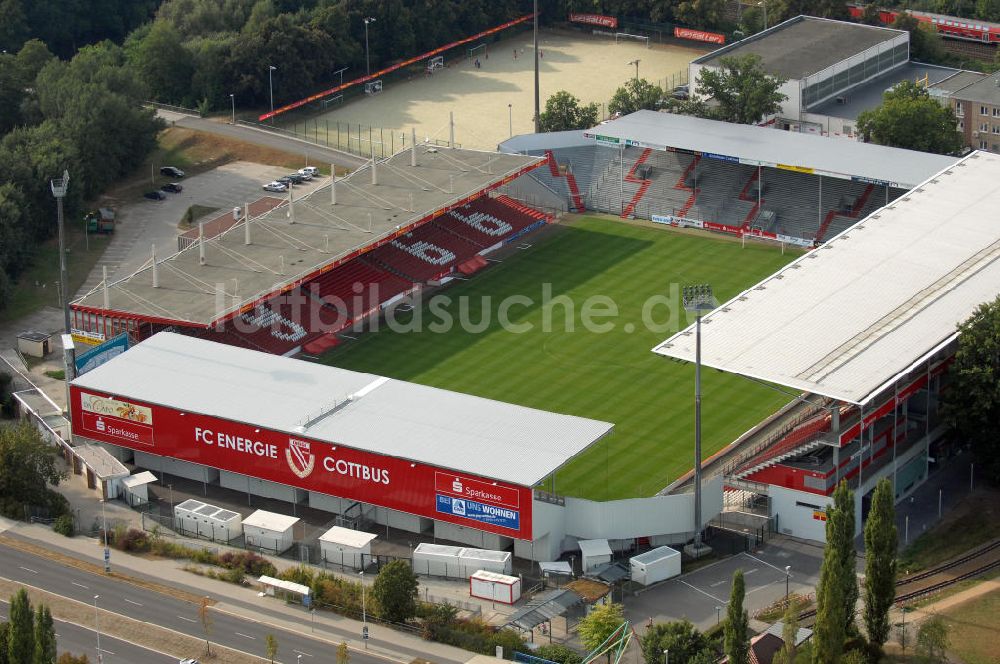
(510, 119)
(270, 87)
(666, 656)
(364, 611)
(97, 629)
(718, 615)
(698, 299)
(636, 63)
(788, 575)
(368, 65)
(232, 98)
(59, 187)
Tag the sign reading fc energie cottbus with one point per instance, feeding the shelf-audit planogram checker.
(320, 466)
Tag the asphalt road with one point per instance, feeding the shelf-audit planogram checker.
(181, 616)
(83, 641)
(265, 139)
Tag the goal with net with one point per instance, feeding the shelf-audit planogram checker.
(477, 51)
(437, 62)
(373, 87)
(620, 36)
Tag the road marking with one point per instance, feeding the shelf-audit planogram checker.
(700, 590)
(132, 601)
(299, 652)
(246, 636)
(764, 562)
(718, 583)
(187, 619)
(751, 571)
(28, 569)
(80, 585)
(109, 652)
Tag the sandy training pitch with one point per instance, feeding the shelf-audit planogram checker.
(497, 99)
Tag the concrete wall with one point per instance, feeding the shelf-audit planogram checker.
(796, 512)
(261, 488)
(191, 471)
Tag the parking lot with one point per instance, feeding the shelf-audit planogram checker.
(144, 223)
(701, 596)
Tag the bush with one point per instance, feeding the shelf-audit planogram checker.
(247, 562)
(133, 540)
(557, 652)
(395, 589)
(64, 526)
(441, 624)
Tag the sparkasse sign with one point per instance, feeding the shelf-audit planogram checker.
(297, 460)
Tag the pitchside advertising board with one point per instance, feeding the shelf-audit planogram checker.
(415, 488)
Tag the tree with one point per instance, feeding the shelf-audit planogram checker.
(637, 94)
(737, 631)
(910, 118)
(599, 624)
(205, 617)
(271, 647)
(563, 112)
(70, 658)
(789, 634)
(932, 639)
(925, 46)
(557, 652)
(744, 92)
(343, 654)
(708, 14)
(20, 636)
(4, 636)
(972, 401)
(880, 564)
(988, 10)
(395, 589)
(843, 500)
(836, 580)
(163, 62)
(45, 637)
(786, 9)
(870, 14)
(681, 638)
(13, 25)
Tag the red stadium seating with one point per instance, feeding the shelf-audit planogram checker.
(356, 287)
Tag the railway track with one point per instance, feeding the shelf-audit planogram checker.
(930, 581)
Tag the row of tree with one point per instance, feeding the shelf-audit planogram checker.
(29, 635)
(82, 115)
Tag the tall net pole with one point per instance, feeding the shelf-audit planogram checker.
(537, 108)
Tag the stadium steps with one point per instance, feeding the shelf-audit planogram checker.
(643, 183)
(682, 184)
(523, 209)
(574, 190)
(803, 438)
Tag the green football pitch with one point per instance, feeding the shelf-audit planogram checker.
(605, 374)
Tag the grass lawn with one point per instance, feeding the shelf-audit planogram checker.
(609, 375)
(973, 629)
(974, 521)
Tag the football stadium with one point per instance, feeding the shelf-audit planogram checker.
(457, 343)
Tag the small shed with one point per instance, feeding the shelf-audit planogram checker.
(269, 531)
(103, 472)
(343, 546)
(495, 587)
(437, 560)
(593, 593)
(486, 559)
(657, 565)
(33, 344)
(135, 488)
(193, 517)
(285, 589)
(594, 553)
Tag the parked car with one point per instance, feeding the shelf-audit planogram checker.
(681, 92)
(296, 178)
(155, 195)
(275, 186)
(311, 171)
(171, 171)
(287, 181)
(172, 187)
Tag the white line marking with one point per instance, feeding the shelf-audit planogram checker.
(79, 585)
(107, 651)
(187, 619)
(246, 636)
(299, 652)
(751, 571)
(132, 601)
(717, 583)
(764, 562)
(699, 590)
(28, 569)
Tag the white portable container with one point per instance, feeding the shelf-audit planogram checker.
(657, 565)
(594, 553)
(484, 559)
(195, 518)
(495, 587)
(343, 546)
(437, 560)
(269, 531)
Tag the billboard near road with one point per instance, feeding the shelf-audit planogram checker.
(297, 460)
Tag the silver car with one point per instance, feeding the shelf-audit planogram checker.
(275, 187)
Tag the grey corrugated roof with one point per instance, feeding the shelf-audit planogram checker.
(850, 103)
(395, 418)
(804, 45)
(773, 147)
(553, 140)
(847, 319)
(962, 79)
(986, 90)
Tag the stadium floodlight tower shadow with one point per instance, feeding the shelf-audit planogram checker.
(697, 299)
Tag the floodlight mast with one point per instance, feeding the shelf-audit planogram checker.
(697, 299)
(59, 188)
